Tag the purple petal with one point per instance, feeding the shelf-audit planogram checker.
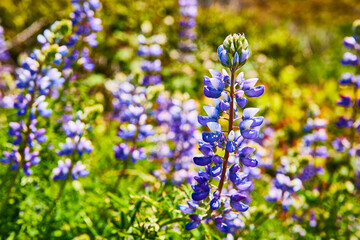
(256, 91)
(198, 196)
(202, 161)
(249, 162)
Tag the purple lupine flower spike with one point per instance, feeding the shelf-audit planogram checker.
(130, 109)
(85, 26)
(177, 137)
(229, 94)
(350, 102)
(150, 49)
(187, 23)
(313, 141)
(34, 82)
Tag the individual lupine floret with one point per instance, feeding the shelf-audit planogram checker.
(177, 137)
(229, 93)
(150, 49)
(75, 140)
(62, 170)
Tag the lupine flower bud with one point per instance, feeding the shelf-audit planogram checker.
(234, 51)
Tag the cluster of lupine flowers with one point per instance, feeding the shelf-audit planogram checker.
(6, 99)
(40, 75)
(283, 190)
(290, 179)
(24, 156)
(286, 186)
(188, 12)
(176, 138)
(222, 148)
(35, 79)
(130, 108)
(75, 143)
(150, 49)
(313, 141)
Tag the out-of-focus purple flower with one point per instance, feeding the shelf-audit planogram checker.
(151, 66)
(190, 208)
(309, 171)
(345, 101)
(64, 167)
(312, 142)
(312, 221)
(74, 141)
(187, 23)
(33, 135)
(349, 42)
(195, 221)
(73, 129)
(79, 170)
(283, 189)
(61, 171)
(4, 54)
(346, 79)
(349, 59)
